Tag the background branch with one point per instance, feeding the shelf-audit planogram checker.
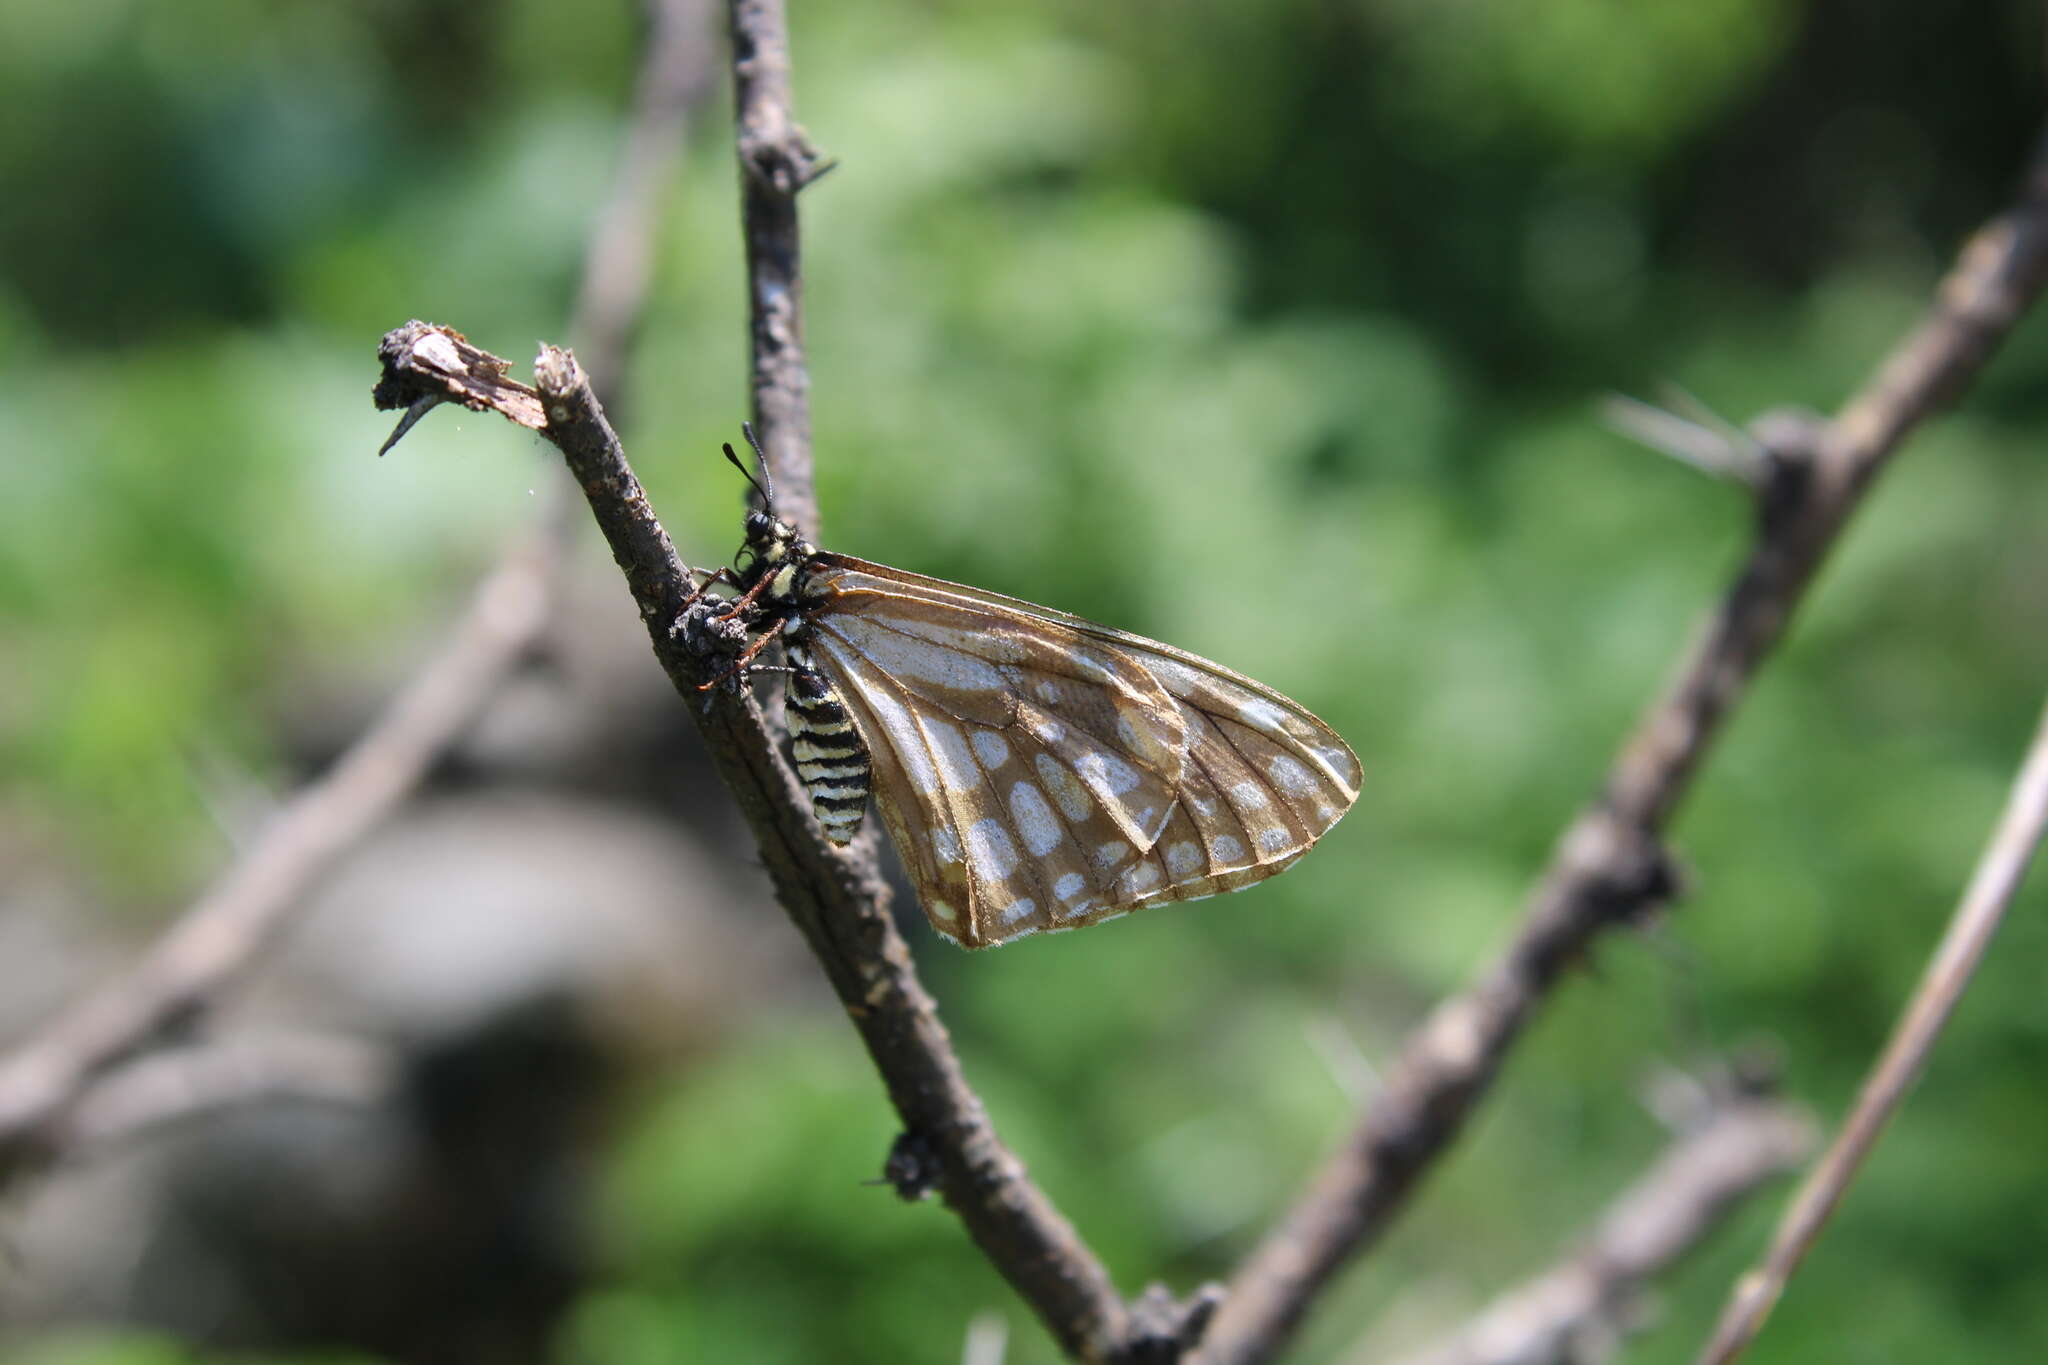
(177, 1085)
(1581, 1310)
(776, 161)
(1609, 866)
(189, 968)
(1992, 886)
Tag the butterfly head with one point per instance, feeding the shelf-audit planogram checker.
(774, 548)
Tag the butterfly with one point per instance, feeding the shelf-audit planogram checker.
(1036, 771)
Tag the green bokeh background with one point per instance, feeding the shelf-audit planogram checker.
(1275, 330)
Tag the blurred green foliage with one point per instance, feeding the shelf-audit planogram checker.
(1272, 330)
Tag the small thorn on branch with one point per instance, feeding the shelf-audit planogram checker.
(1164, 1330)
(784, 163)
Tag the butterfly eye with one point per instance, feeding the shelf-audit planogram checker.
(759, 525)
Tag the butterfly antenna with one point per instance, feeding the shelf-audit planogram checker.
(765, 489)
(747, 429)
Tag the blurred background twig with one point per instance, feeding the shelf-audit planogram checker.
(186, 973)
(1992, 886)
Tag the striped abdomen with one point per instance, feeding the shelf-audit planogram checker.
(829, 754)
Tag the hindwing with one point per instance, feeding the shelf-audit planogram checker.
(1040, 772)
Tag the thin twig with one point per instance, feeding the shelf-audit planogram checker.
(1580, 1311)
(178, 1085)
(776, 161)
(218, 937)
(1977, 917)
(1610, 867)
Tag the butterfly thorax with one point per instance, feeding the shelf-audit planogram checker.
(831, 757)
(778, 553)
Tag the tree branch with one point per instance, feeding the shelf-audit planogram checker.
(214, 941)
(836, 900)
(1992, 886)
(1609, 867)
(1581, 1311)
(776, 161)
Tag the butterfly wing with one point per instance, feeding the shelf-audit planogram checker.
(1037, 771)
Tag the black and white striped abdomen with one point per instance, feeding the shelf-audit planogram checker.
(829, 754)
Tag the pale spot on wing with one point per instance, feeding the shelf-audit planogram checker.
(990, 749)
(1067, 791)
(1069, 885)
(904, 656)
(938, 909)
(1048, 691)
(1225, 850)
(1183, 859)
(1203, 806)
(1343, 763)
(1091, 667)
(992, 645)
(1175, 676)
(1044, 728)
(1144, 740)
(905, 738)
(1017, 910)
(1034, 819)
(956, 763)
(1261, 714)
(1272, 839)
(1080, 908)
(1140, 878)
(1294, 779)
(1112, 853)
(1328, 815)
(989, 850)
(1107, 770)
(946, 844)
(1250, 795)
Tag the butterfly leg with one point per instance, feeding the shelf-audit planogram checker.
(738, 667)
(719, 575)
(747, 600)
